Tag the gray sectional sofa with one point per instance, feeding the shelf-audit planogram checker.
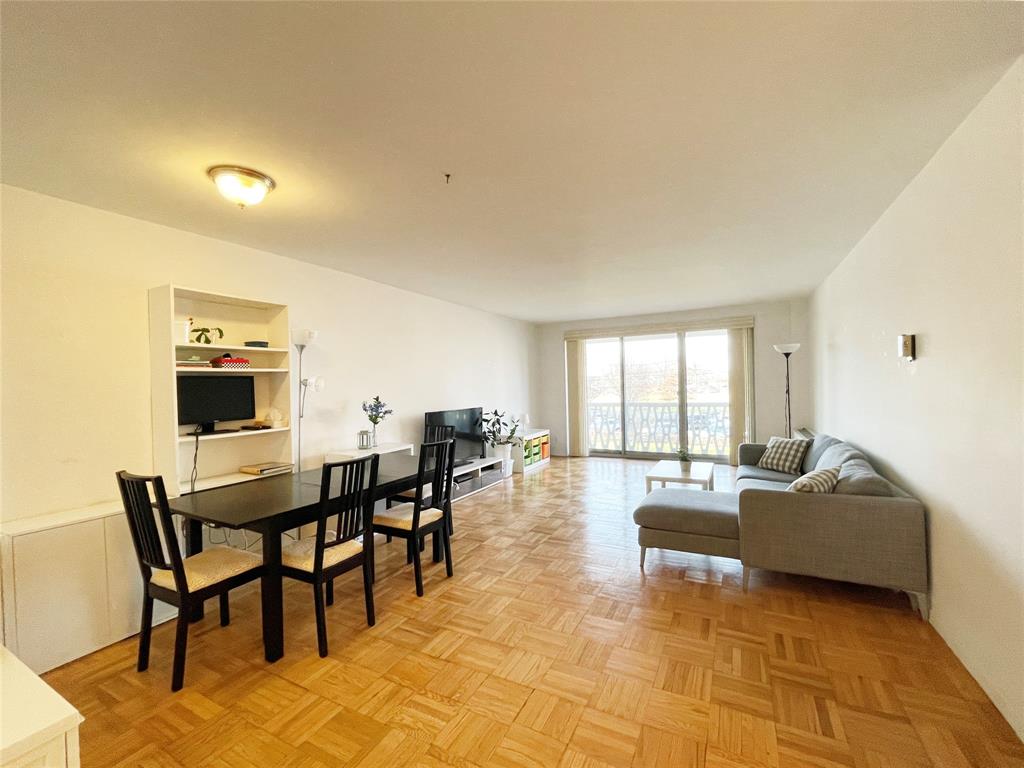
(867, 531)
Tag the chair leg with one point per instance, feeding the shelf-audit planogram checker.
(388, 539)
(417, 567)
(368, 593)
(330, 591)
(145, 632)
(436, 546)
(446, 538)
(225, 610)
(321, 619)
(180, 647)
(408, 550)
(643, 557)
(746, 578)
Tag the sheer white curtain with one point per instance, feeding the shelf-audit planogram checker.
(741, 389)
(576, 395)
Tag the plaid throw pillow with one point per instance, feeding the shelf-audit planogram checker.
(784, 455)
(818, 481)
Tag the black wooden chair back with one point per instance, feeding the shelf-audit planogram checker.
(353, 504)
(139, 504)
(436, 468)
(433, 433)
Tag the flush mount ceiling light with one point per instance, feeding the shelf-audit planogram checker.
(242, 186)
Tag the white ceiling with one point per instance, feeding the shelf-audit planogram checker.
(606, 159)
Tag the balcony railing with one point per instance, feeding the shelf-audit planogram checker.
(654, 427)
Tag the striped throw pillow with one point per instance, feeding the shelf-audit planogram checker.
(818, 481)
(784, 455)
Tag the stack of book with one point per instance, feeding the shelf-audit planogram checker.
(266, 468)
(193, 364)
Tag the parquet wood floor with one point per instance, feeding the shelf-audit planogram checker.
(550, 648)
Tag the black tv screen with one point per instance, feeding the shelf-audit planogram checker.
(208, 399)
(469, 430)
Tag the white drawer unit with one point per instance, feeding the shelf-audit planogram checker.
(71, 585)
(39, 727)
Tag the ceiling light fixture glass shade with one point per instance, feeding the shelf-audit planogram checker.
(242, 186)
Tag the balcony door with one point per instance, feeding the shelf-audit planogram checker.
(644, 392)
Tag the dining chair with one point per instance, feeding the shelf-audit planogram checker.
(432, 433)
(426, 515)
(182, 582)
(345, 495)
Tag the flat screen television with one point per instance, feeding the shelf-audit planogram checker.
(205, 400)
(469, 431)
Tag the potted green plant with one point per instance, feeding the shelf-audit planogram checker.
(204, 335)
(500, 435)
(684, 457)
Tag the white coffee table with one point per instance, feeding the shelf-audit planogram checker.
(700, 473)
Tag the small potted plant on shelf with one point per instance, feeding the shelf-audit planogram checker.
(376, 411)
(204, 335)
(500, 435)
(684, 457)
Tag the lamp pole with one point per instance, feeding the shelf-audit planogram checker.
(786, 350)
(789, 414)
(302, 390)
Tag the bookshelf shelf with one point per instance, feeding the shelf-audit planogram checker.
(228, 348)
(226, 371)
(188, 438)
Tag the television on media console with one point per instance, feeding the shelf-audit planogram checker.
(469, 430)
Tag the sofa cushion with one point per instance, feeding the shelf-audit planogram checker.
(858, 478)
(818, 481)
(819, 444)
(747, 471)
(837, 454)
(760, 485)
(784, 455)
(708, 513)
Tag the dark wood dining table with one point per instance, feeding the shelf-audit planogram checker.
(270, 506)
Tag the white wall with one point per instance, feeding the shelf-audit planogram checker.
(774, 322)
(946, 262)
(76, 389)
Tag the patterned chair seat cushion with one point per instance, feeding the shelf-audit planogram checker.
(209, 567)
(401, 517)
(411, 495)
(300, 554)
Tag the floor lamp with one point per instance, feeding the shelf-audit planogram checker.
(302, 339)
(786, 350)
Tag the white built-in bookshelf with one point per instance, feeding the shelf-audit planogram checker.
(221, 454)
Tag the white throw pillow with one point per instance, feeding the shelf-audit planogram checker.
(818, 481)
(784, 455)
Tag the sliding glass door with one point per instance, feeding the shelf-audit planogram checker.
(707, 393)
(651, 390)
(643, 392)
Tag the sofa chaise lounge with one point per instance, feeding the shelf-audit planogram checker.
(867, 531)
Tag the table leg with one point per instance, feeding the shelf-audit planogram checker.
(648, 481)
(270, 593)
(193, 546)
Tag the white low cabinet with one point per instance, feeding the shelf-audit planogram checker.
(40, 729)
(71, 585)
